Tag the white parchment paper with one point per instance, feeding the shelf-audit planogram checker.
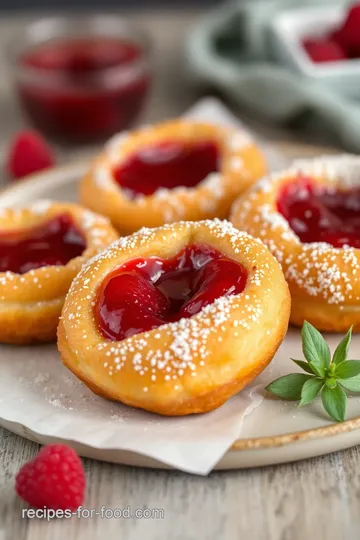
(38, 392)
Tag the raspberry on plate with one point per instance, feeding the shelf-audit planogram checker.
(54, 479)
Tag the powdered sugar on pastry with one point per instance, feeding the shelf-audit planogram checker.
(240, 164)
(316, 270)
(31, 302)
(174, 351)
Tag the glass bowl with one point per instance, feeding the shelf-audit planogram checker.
(81, 78)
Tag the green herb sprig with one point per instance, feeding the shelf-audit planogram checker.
(330, 377)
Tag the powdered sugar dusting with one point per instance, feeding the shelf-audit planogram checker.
(114, 145)
(331, 282)
(239, 140)
(95, 227)
(317, 268)
(343, 171)
(187, 339)
(40, 207)
(237, 163)
(173, 203)
(103, 178)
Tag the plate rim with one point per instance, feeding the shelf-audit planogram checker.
(242, 444)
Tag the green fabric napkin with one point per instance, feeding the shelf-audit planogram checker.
(231, 49)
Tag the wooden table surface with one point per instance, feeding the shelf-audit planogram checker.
(318, 498)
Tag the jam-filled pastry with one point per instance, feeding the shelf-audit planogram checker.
(175, 320)
(175, 171)
(309, 217)
(42, 248)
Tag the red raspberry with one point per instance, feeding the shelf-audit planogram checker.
(323, 50)
(28, 153)
(348, 36)
(55, 478)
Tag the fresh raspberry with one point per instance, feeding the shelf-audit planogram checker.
(28, 153)
(348, 36)
(55, 478)
(323, 50)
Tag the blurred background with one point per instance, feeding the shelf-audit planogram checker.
(80, 71)
(137, 4)
(31, 98)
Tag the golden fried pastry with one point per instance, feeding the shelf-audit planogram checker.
(42, 248)
(175, 320)
(179, 170)
(309, 217)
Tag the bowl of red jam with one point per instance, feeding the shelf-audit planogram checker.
(80, 79)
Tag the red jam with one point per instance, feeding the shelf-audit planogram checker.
(321, 215)
(146, 293)
(168, 165)
(55, 242)
(83, 90)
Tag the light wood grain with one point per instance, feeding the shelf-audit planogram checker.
(317, 499)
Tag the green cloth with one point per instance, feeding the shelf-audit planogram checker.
(231, 49)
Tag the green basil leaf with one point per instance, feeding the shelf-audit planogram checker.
(310, 390)
(320, 371)
(289, 386)
(348, 369)
(352, 385)
(303, 365)
(334, 401)
(342, 349)
(315, 349)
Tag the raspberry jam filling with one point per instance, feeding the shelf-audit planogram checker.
(55, 242)
(316, 214)
(146, 293)
(168, 164)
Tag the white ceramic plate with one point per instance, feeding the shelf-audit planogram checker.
(275, 432)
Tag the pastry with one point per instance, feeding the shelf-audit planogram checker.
(175, 320)
(179, 170)
(42, 248)
(309, 217)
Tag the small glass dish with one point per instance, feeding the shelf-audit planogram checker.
(81, 78)
(291, 27)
